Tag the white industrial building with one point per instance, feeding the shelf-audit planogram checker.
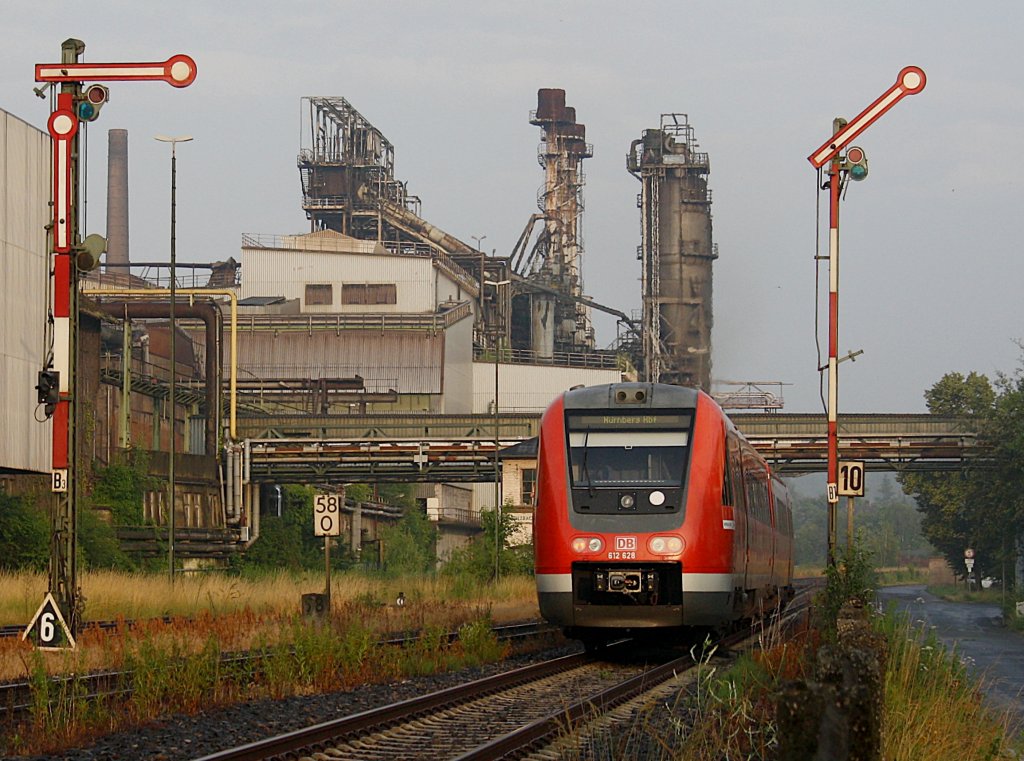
(325, 305)
(25, 155)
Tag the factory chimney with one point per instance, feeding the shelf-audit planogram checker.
(117, 199)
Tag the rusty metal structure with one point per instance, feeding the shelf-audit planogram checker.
(347, 170)
(676, 253)
(552, 287)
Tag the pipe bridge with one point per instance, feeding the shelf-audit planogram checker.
(461, 448)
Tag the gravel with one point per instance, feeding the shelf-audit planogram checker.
(176, 737)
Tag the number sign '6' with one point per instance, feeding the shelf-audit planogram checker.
(327, 515)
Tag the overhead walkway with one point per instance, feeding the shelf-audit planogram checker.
(426, 447)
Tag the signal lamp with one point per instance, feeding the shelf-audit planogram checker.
(92, 101)
(627, 501)
(48, 388)
(856, 163)
(87, 255)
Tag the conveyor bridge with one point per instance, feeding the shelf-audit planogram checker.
(460, 448)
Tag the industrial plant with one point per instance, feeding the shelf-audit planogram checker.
(372, 347)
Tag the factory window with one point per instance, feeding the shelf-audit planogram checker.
(369, 293)
(319, 294)
(529, 486)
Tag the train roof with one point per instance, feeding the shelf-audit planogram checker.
(631, 396)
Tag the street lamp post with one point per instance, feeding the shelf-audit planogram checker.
(497, 430)
(170, 460)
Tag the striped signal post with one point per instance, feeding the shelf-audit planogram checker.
(71, 108)
(911, 80)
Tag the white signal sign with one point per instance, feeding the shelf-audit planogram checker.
(327, 515)
(59, 480)
(48, 630)
(851, 479)
(833, 492)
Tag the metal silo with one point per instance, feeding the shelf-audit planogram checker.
(676, 253)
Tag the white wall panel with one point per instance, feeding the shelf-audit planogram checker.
(24, 213)
(530, 388)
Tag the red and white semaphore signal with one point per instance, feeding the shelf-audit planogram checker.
(177, 71)
(74, 105)
(854, 164)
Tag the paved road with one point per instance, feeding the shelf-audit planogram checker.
(991, 651)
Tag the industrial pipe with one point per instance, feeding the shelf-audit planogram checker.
(232, 296)
(208, 314)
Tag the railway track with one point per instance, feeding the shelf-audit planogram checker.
(504, 716)
(18, 698)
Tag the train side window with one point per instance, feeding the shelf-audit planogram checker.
(727, 495)
(736, 473)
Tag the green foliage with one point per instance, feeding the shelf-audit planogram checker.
(479, 644)
(288, 541)
(98, 545)
(888, 522)
(477, 560)
(121, 486)
(974, 506)
(410, 547)
(24, 535)
(852, 578)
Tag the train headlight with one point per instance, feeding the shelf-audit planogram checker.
(665, 545)
(627, 501)
(583, 544)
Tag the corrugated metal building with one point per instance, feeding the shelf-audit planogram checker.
(24, 213)
(400, 321)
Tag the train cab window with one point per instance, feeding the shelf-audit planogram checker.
(616, 450)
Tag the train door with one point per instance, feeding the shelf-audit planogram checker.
(741, 518)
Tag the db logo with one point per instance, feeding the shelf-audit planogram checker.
(625, 542)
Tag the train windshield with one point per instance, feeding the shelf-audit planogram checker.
(615, 450)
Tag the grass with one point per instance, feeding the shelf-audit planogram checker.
(933, 708)
(242, 614)
(177, 664)
(111, 595)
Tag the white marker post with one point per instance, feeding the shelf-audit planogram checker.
(327, 523)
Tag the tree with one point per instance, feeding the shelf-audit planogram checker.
(477, 560)
(288, 541)
(410, 546)
(957, 507)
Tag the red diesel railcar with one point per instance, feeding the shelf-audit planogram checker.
(653, 511)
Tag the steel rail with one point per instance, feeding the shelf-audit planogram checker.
(331, 730)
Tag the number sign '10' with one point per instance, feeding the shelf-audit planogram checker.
(851, 479)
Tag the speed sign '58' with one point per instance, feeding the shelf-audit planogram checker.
(327, 515)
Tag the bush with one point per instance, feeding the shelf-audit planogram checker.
(24, 535)
(410, 547)
(851, 578)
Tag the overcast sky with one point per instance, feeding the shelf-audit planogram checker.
(931, 267)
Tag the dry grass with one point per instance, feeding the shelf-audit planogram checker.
(239, 614)
(933, 709)
(110, 595)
